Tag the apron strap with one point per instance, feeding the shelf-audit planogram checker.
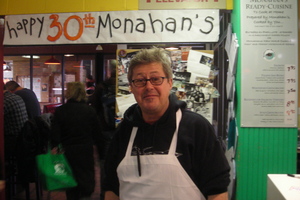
(131, 140)
(173, 146)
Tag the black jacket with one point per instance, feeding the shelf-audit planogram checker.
(76, 123)
(76, 126)
(32, 141)
(199, 150)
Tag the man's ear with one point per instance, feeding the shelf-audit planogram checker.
(129, 88)
(170, 82)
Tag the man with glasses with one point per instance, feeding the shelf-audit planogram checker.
(161, 150)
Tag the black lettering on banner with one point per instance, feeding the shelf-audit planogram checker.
(107, 22)
(183, 22)
(143, 24)
(118, 24)
(125, 25)
(25, 22)
(10, 30)
(152, 22)
(22, 25)
(42, 25)
(210, 22)
(32, 22)
(173, 23)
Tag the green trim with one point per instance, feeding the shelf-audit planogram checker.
(260, 151)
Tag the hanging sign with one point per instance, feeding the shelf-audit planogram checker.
(179, 4)
(269, 63)
(113, 27)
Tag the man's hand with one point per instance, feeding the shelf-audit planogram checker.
(109, 195)
(2, 185)
(222, 196)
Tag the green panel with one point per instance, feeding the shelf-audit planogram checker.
(260, 151)
(263, 151)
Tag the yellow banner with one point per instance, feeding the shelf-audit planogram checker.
(181, 4)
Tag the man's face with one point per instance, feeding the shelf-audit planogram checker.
(153, 99)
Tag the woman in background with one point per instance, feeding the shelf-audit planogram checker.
(76, 126)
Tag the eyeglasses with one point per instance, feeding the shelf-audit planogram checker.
(143, 81)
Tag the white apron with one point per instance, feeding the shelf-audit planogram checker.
(162, 176)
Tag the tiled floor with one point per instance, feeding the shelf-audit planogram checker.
(55, 195)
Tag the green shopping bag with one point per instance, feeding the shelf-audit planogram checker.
(55, 172)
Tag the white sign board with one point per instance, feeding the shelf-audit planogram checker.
(113, 27)
(269, 63)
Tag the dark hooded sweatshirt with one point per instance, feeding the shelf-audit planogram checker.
(198, 150)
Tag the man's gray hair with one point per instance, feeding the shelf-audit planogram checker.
(147, 56)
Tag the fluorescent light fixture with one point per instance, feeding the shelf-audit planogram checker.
(34, 57)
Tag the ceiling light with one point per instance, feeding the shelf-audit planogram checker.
(78, 66)
(52, 61)
(34, 57)
(171, 48)
(69, 55)
(99, 47)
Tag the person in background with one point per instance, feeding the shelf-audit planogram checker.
(161, 150)
(32, 104)
(90, 85)
(77, 128)
(95, 101)
(103, 101)
(15, 116)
